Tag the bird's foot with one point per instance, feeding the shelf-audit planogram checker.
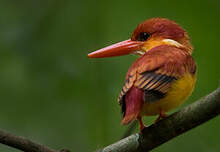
(162, 115)
(142, 126)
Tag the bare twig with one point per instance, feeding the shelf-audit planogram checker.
(23, 144)
(170, 127)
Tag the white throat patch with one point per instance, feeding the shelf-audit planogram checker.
(172, 42)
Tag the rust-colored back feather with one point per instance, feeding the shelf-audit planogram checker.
(153, 73)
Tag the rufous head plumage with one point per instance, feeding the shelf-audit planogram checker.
(148, 34)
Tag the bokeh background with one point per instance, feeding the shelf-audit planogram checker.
(52, 93)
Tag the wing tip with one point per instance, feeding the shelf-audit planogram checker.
(131, 104)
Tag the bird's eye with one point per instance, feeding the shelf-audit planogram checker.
(143, 36)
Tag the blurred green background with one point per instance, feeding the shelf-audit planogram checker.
(52, 93)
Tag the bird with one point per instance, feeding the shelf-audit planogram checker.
(164, 74)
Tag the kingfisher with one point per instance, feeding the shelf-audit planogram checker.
(162, 77)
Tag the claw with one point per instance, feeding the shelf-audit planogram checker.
(162, 115)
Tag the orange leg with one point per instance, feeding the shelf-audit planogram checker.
(162, 115)
(142, 126)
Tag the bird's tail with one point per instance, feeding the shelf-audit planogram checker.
(134, 100)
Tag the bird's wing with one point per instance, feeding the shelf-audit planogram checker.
(155, 71)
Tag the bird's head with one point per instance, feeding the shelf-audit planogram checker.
(147, 35)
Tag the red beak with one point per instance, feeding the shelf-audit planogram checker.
(118, 49)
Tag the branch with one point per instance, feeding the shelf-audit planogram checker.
(24, 144)
(189, 117)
